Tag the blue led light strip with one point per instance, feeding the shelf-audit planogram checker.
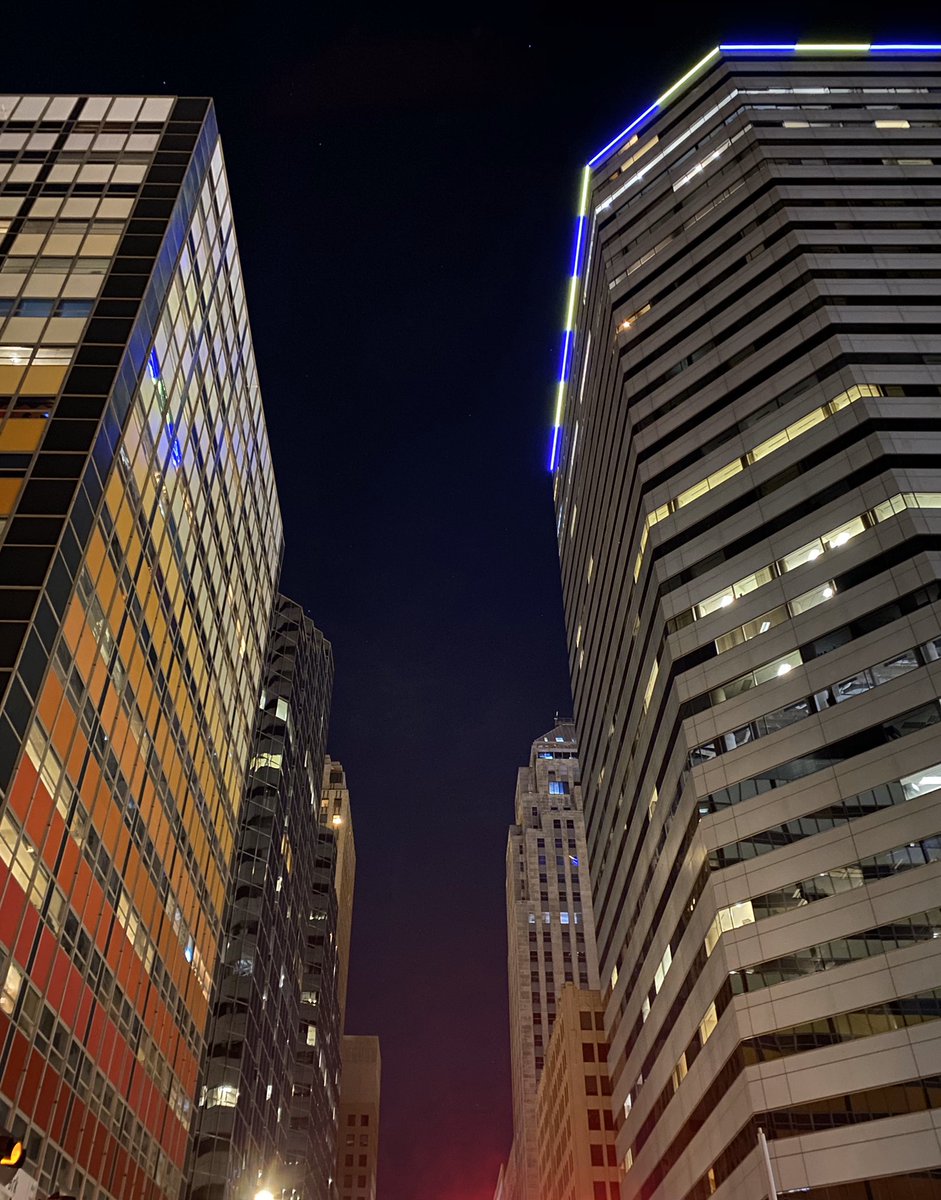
(581, 222)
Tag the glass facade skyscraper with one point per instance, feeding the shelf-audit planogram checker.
(267, 1106)
(748, 494)
(139, 549)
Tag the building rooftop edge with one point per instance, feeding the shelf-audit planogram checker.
(581, 221)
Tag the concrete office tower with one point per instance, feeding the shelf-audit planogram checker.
(577, 1155)
(358, 1137)
(336, 814)
(550, 929)
(139, 549)
(255, 1091)
(748, 490)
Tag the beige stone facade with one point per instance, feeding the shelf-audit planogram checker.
(358, 1129)
(550, 928)
(577, 1154)
(336, 813)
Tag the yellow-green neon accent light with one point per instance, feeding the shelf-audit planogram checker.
(704, 61)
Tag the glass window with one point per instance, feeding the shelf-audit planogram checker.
(756, 580)
(842, 534)
(782, 717)
(807, 553)
(773, 443)
(856, 685)
(778, 668)
(892, 668)
(720, 600)
(708, 1023)
(808, 600)
(765, 622)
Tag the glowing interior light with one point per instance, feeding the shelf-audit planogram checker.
(815, 553)
(337, 819)
(841, 539)
(784, 668)
(624, 325)
(828, 593)
(765, 626)
(726, 600)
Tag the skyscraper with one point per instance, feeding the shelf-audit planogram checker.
(312, 1140)
(141, 541)
(550, 929)
(260, 1117)
(358, 1138)
(337, 815)
(747, 486)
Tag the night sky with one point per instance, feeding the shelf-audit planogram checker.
(404, 189)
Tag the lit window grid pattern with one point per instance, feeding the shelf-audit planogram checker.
(63, 249)
(266, 557)
(152, 1154)
(581, 222)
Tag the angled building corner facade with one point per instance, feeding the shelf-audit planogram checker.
(748, 496)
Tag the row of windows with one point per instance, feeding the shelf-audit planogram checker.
(781, 774)
(873, 800)
(769, 446)
(911, 785)
(855, 685)
(885, 795)
(907, 931)
(873, 1104)
(109, 110)
(834, 638)
(886, 1017)
(823, 884)
(46, 308)
(809, 552)
(818, 595)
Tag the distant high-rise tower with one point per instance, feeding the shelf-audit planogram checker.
(140, 542)
(336, 814)
(255, 1094)
(358, 1126)
(747, 466)
(550, 928)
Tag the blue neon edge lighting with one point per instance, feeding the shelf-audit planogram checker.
(581, 222)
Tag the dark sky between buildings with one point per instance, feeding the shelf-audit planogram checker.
(404, 189)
